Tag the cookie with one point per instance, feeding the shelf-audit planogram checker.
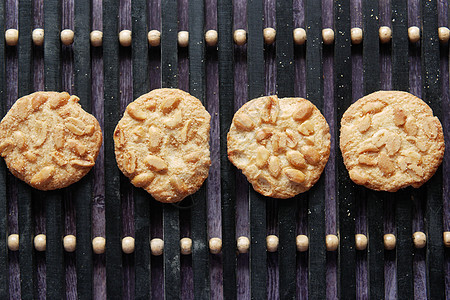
(162, 144)
(390, 140)
(281, 145)
(48, 140)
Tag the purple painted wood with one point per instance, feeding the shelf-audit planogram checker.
(98, 203)
(242, 186)
(330, 169)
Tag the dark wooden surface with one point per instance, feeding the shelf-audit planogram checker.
(224, 77)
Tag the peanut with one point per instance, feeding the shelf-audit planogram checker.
(296, 159)
(243, 121)
(156, 163)
(43, 176)
(262, 155)
(134, 112)
(274, 166)
(303, 111)
(294, 175)
(168, 104)
(311, 155)
(143, 180)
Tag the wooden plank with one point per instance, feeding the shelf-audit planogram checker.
(26, 253)
(287, 209)
(200, 253)
(226, 88)
(112, 184)
(255, 57)
(169, 64)
(345, 188)
(400, 81)
(141, 198)
(53, 200)
(431, 94)
(316, 196)
(82, 191)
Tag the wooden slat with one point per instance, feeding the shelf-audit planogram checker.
(26, 253)
(53, 200)
(200, 253)
(314, 93)
(346, 196)
(82, 191)
(255, 57)
(112, 182)
(431, 94)
(4, 280)
(400, 81)
(141, 198)
(287, 209)
(226, 88)
(169, 63)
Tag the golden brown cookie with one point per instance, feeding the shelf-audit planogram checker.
(162, 144)
(48, 140)
(390, 140)
(281, 145)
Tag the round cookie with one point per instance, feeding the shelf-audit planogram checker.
(390, 140)
(48, 140)
(281, 145)
(162, 144)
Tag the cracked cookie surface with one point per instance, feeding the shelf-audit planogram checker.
(162, 144)
(48, 140)
(390, 140)
(281, 145)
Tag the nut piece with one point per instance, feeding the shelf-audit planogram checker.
(186, 246)
(174, 121)
(311, 155)
(19, 138)
(155, 163)
(274, 166)
(129, 162)
(430, 128)
(58, 158)
(82, 163)
(128, 245)
(419, 239)
(157, 246)
(30, 156)
(58, 100)
(37, 101)
(269, 113)
(296, 159)
(41, 129)
(243, 244)
(70, 243)
(272, 243)
(303, 111)
(178, 184)
(389, 241)
(331, 242)
(155, 138)
(373, 107)
(306, 128)
(302, 242)
(77, 147)
(169, 104)
(98, 245)
(399, 117)
(43, 176)
(262, 155)
(75, 126)
(294, 175)
(143, 180)
(365, 123)
(393, 144)
(13, 242)
(135, 112)
(40, 242)
(385, 164)
(411, 127)
(361, 242)
(367, 160)
(243, 121)
(215, 245)
(262, 134)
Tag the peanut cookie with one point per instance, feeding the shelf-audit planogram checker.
(281, 145)
(162, 144)
(390, 140)
(48, 140)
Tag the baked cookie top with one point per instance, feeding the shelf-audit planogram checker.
(48, 140)
(281, 145)
(162, 144)
(390, 140)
